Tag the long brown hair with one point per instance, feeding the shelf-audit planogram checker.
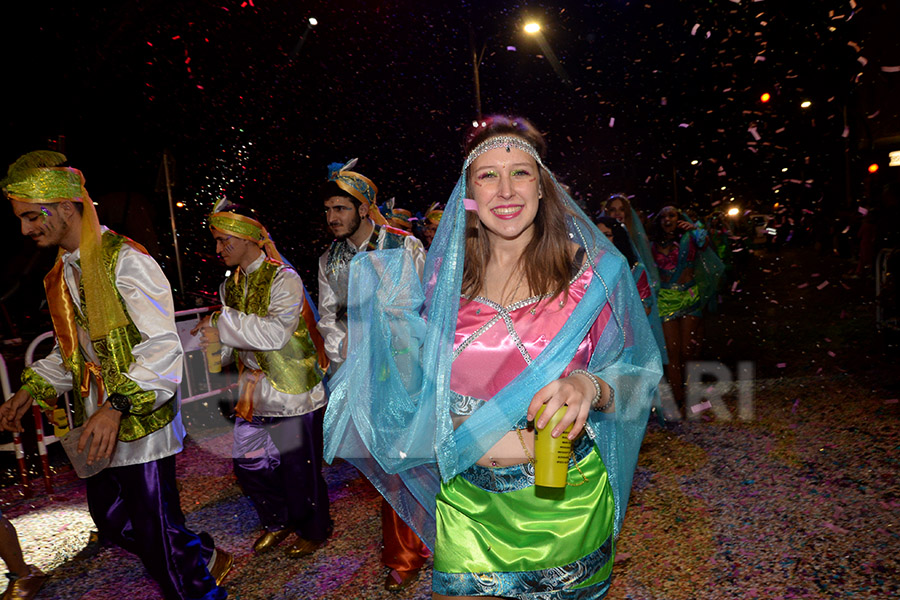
(546, 262)
(626, 207)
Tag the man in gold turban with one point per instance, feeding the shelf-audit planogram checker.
(267, 325)
(118, 352)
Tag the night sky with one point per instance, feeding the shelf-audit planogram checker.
(642, 89)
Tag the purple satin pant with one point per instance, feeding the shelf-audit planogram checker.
(278, 462)
(138, 508)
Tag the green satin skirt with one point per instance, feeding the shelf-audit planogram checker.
(676, 303)
(499, 535)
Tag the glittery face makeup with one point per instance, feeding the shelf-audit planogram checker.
(505, 186)
(226, 249)
(40, 224)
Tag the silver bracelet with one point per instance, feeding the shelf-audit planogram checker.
(598, 391)
(612, 396)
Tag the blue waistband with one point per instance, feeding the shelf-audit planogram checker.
(518, 477)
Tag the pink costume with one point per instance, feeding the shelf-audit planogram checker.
(503, 341)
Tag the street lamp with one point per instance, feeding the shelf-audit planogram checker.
(534, 28)
(310, 23)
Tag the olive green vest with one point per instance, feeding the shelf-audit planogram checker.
(292, 369)
(114, 353)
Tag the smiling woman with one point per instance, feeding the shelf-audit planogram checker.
(525, 306)
(515, 224)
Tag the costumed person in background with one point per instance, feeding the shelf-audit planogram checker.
(353, 218)
(720, 242)
(119, 353)
(268, 324)
(396, 217)
(689, 275)
(616, 233)
(619, 207)
(525, 304)
(431, 220)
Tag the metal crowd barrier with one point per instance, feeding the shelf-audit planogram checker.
(196, 384)
(16, 444)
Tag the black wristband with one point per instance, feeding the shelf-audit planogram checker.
(120, 403)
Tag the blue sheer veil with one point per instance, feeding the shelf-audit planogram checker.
(389, 410)
(640, 244)
(708, 267)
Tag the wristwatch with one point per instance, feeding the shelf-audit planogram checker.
(120, 403)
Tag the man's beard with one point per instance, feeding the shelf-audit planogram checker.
(352, 228)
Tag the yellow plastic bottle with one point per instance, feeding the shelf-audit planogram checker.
(214, 357)
(551, 455)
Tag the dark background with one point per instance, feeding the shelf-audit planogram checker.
(647, 88)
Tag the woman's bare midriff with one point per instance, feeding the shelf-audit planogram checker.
(686, 276)
(508, 450)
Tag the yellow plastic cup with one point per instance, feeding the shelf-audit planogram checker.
(551, 455)
(214, 357)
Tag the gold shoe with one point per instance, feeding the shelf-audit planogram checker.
(270, 539)
(303, 547)
(93, 546)
(397, 581)
(25, 588)
(221, 565)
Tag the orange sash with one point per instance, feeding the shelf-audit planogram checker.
(62, 313)
(244, 408)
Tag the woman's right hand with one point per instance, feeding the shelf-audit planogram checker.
(575, 392)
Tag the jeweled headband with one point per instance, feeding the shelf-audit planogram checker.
(503, 141)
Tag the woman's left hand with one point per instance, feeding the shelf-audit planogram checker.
(575, 392)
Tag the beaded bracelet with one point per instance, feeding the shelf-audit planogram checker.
(612, 396)
(597, 389)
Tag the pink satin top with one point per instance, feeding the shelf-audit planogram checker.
(669, 261)
(643, 285)
(494, 344)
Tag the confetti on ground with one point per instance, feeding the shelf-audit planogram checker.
(794, 496)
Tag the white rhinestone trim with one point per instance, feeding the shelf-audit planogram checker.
(500, 141)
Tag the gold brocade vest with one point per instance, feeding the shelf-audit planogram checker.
(113, 352)
(293, 369)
